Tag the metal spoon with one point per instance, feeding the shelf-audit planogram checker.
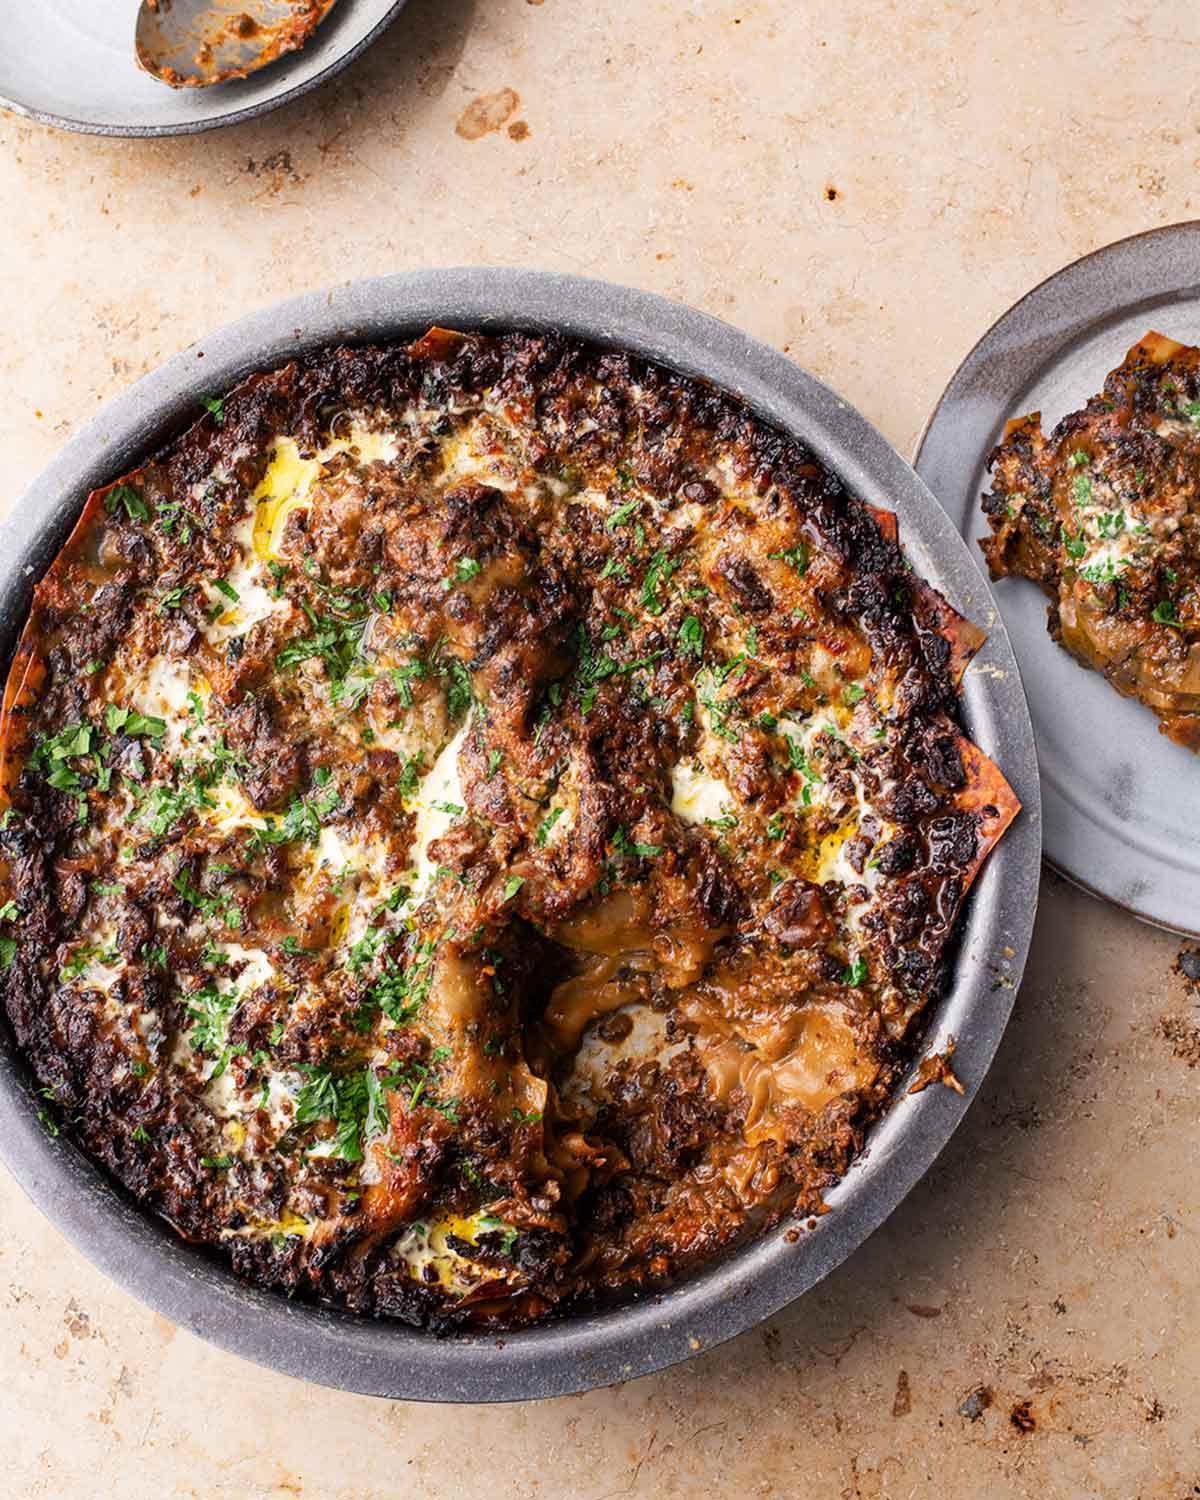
(192, 43)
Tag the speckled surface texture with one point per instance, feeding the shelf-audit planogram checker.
(1026, 1323)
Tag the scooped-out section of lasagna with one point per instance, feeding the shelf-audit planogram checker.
(483, 823)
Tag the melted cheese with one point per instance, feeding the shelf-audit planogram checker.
(258, 968)
(697, 795)
(287, 484)
(233, 810)
(441, 785)
(282, 489)
(161, 690)
(424, 1248)
(289, 1225)
(361, 871)
(102, 964)
(246, 578)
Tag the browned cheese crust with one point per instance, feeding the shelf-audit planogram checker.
(1105, 515)
(483, 823)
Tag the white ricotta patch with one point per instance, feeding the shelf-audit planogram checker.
(162, 691)
(439, 794)
(697, 795)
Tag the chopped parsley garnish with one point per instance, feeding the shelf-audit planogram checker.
(1164, 613)
(124, 495)
(82, 958)
(623, 845)
(719, 709)
(363, 953)
(301, 822)
(129, 722)
(174, 517)
(1111, 523)
(795, 557)
(164, 806)
(734, 667)
(1076, 545)
(1078, 459)
(853, 693)
(799, 762)
(224, 907)
(400, 991)
(465, 569)
(547, 824)
(410, 775)
(460, 694)
(621, 514)
(592, 669)
(173, 598)
(725, 822)
(855, 974)
(215, 406)
(402, 678)
(51, 756)
(659, 572)
(1104, 571)
(691, 637)
(336, 640)
(356, 1103)
(210, 1010)
(511, 886)
(1081, 490)
(227, 589)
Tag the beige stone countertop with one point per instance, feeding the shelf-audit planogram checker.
(866, 185)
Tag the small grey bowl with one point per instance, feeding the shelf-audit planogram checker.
(71, 64)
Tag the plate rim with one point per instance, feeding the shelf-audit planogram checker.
(384, 1358)
(1073, 283)
(198, 126)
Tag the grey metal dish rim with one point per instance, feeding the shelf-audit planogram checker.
(218, 122)
(1064, 287)
(1062, 304)
(192, 1287)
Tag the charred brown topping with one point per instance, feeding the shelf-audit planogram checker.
(1105, 515)
(482, 821)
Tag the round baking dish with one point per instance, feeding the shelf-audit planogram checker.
(336, 1348)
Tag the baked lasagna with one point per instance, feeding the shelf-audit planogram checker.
(1104, 514)
(483, 822)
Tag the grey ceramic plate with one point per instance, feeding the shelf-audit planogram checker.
(1122, 804)
(385, 1358)
(70, 63)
